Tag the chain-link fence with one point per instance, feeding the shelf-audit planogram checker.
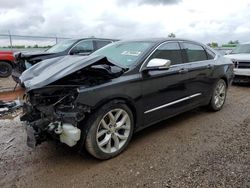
(27, 42)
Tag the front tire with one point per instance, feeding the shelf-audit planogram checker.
(110, 130)
(219, 96)
(5, 69)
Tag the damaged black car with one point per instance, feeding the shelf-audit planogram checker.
(82, 47)
(97, 102)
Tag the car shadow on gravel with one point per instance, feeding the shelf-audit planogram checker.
(63, 150)
(241, 84)
(169, 123)
(59, 149)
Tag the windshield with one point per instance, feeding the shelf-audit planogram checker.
(61, 46)
(242, 48)
(124, 53)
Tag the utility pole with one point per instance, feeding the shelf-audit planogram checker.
(10, 40)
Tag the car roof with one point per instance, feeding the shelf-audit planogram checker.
(155, 40)
(159, 40)
(93, 38)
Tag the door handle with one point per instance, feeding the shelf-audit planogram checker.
(183, 71)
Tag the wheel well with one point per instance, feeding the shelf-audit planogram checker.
(225, 79)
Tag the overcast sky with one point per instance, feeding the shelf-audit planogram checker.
(206, 21)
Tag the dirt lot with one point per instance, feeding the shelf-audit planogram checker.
(7, 87)
(7, 83)
(195, 149)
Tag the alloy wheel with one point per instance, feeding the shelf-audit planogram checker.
(220, 94)
(113, 130)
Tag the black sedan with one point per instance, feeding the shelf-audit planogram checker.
(97, 102)
(84, 46)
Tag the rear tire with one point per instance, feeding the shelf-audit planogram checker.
(219, 96)
(111, 129)
(5, 69)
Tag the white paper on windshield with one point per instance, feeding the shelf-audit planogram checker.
(131, 53)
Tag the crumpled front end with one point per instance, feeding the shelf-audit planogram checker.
(52, 108)
(53, 113)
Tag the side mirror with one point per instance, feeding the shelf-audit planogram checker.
(158, 64)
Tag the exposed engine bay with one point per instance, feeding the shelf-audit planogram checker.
(53, 111)
(47, 111)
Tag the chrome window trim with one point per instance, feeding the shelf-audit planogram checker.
(103, 40)
(180, 64)
(194, 62)
(173, 102)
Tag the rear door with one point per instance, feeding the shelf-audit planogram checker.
(200, 65)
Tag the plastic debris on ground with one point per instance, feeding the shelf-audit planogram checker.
(9, 107)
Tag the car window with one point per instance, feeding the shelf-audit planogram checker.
(61, 46)
(241, 49)
(195, 52)
(170, 51)
(210, 54)
(83, 47)
(102, 43)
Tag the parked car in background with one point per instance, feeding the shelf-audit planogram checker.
(97, 102)
(6, 63)
(67, 47)
(241, 59)
(224, 50)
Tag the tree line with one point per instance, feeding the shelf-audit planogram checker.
(23, 46)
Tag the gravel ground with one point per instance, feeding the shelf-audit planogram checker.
(7, 83)
(194, 149)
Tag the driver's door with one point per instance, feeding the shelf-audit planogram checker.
(164, 90)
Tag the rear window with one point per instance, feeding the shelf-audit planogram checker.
(195, 52)
(101, 43)
(210, 54)
(241, 49)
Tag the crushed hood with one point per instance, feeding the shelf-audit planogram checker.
(34, 56)
(28, 55)
(51, 70)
